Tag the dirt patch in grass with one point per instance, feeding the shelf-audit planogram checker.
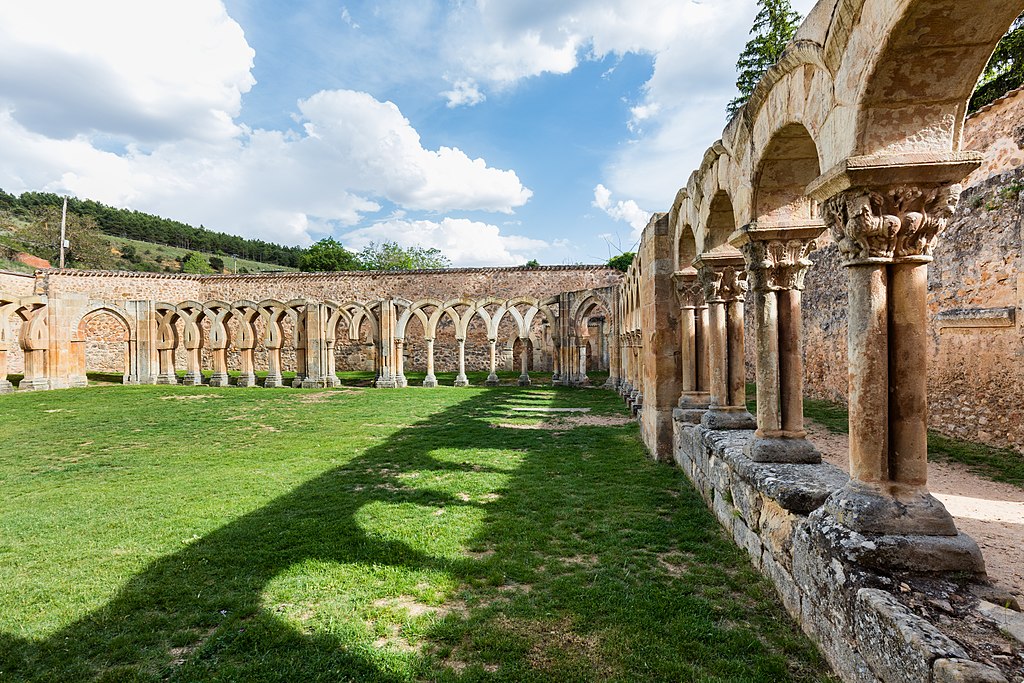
(325, 396)
(555, 643)
(179, 655)
(675, 563)
(564, 424)
(580, 560)
(190, 397)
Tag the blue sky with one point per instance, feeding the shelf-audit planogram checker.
(496, 130)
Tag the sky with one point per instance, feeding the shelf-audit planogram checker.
(497, 131)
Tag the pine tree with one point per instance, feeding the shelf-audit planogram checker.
(775, 25)
(1005, 69)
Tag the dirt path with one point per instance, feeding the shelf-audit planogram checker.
(990, 512)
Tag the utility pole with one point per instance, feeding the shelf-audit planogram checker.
(63, 225)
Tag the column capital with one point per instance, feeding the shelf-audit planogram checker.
(777, 256)
(688, 289)
(888, 208)
(722, 275)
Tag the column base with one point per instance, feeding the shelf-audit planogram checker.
(782, 450)
(246, 380)
(689, 416)
(890, 510)
(37, 384)
(386, 383)
(167, 379)
(524, 380)
(625, 388)
(192, 379)
(430, 381)
(492, 381)
(695, 399)
(462, 381)
(898, 552)
(401, 382)
(6, 387)
(273, 382)
(297, 382)
(728, 418)
(81, 381)
(611, 383)
(219, 379)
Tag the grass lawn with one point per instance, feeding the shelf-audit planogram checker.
(198, 534)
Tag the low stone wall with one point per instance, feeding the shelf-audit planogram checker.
(16, 284)
(860, 617)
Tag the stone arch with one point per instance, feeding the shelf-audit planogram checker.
(788, 164)
(84, 341)
(720, 222)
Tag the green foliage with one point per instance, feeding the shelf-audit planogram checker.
(774, 26)
(1005, 69)
(41, 236)
(194, 263)
(328, 256)
(217, 264)
(392, 256)
(622, 261)
(532, 263)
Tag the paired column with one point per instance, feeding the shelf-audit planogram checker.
(885, 219)
(400, 379)
(693, 316)
(492, 378)
(777, 262)
(524, 360)
(430, 380)
(724, 280)
(584, 380)
(461, 380)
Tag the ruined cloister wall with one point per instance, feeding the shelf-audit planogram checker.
(976, 291)
(16, 284)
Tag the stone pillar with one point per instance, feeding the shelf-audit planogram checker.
(219, 351)
(777, 261)
(492, 378)
(694, 398)
(885, 218)
(5, 386)
(299, 344)
(400, 379)
(273, 379)
(430, 380)
(247, 376)
(524, 362)
(555, 354)
(460, 379)
(584, 379)
(724, 280)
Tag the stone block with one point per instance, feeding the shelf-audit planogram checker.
(899, 646)
(784, 584)
(776, 529)
(797, 488)
(964, 671)
(723, 511)
(747, 501)
(748, 540)
(720, 475)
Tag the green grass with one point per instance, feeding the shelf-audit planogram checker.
(198, 534)
(166, 255)
(997, 464)
(16, 266)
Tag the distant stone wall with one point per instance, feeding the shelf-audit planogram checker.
(16, 284)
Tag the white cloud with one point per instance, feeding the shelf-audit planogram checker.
(467, 243)
(464, 92)
(153, 127)
(626, 211)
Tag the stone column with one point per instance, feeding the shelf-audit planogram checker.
(584, 379)
(555, 355)
(492, 378)
(724, 280)
(885, 219)
(299, 344)
(247, 376)
(400, 379)
(5, 386)
(219, 378)
(524, 362)
(430, 380)
(777, 261)
(460, 379)
(693, 348)
(273, 379)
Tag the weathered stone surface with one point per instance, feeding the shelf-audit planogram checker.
(1009, 621)
(797, 488)
(904, 645)
(964, 671)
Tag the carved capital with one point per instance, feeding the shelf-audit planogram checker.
(899, 222)
(688, 289)
(778, 264)
(723, 285)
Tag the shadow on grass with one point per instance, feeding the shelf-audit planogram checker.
(594, 564)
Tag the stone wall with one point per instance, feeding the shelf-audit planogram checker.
(16, 284)
(869, 623)
(976, 290)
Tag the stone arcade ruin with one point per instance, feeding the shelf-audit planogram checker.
(852, 145)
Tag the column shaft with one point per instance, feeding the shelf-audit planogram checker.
(766, 337)
(791, 361)
(908, 366)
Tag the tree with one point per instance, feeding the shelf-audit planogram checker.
(774, 26)
(622, 261)
(532, 263)
(217, 264)
(391, 256)
(194, 263)
(1005, 69)
(328, 255)
(88, 248)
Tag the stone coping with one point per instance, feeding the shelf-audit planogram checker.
(14, 272)
(796, 488)
(72, 272)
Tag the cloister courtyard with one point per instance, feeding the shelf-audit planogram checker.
(204, 534)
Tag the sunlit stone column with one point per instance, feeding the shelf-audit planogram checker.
(247, 376)
(492, 378)
(400, 379)
(584, 379)
(777, 261)
(885, 218)
(724, 280)
(524, 362)
(430, 380)
(193, 355)
(692, 329)
(461, 379)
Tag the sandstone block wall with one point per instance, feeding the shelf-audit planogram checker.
(16, 284)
